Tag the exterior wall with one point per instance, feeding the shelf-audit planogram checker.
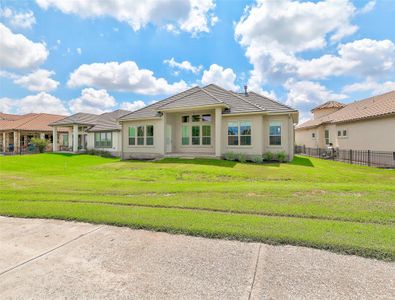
(116, 143)
(287, 135)
(144, 152)
(373, 134)
(323, 112)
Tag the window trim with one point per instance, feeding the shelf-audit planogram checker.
(99, 133)
(281, 133)
(239, 135)
(144, 136)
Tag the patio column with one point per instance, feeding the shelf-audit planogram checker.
(218, 129)
(75, 138)
(17, 143)
(4, 142)
(55, 139)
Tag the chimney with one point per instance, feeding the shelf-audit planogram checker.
(245, 91)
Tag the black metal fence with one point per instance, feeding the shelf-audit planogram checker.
(379, 159)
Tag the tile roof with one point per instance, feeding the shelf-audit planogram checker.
(211, 95)
(373, 107)
(104, 122)
(30, 122)
(329, 104)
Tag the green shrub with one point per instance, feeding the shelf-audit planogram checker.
(258, 159)
(281, 156)
(101, 153)
(268, 156)
(241, 157)
(40, 144)
(230, 156)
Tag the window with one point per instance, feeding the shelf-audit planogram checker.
(339, 133)
(185, 119)
(313, 135)
(132, 136)
(195, 135)
(206, 135)
(65, 139)
(326, 137)
(185, 135)
(344, 132)
(142, 135)
(149, 139)
(275, 133)
(196, 118)
(206, 118)
(103, 139)
(239, 133)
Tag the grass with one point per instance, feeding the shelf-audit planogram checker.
(310, 202)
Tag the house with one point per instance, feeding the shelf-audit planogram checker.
(209, 121)
(16, 131)
(368, 124)
(91, 131)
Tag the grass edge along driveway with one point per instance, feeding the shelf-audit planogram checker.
(360, 238)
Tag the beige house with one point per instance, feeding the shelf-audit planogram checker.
(367, 124)
(16, 131)
(209, 121)
(90, 131)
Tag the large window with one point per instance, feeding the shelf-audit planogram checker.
(65, 139)
(196, 130)
(326, 137)
(142, 135)
(103, 139)
(239, 133)
(275, 133)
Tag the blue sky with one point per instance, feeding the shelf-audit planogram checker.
(69, 56)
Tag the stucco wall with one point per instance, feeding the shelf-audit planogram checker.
(116, 143)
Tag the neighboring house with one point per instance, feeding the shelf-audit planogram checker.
(367, 124)
(209, 121)
(90, 131)
(16, 131)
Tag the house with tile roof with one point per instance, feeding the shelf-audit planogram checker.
(91, 131)
(367, 124)
(16, 131)
(208, 122)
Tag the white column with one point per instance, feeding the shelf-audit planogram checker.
(55, 139)
(75, 138)
(16, 142)
(218, 129)
(4, 142)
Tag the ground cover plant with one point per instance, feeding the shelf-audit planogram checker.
(310, 202)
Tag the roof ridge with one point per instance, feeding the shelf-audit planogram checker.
(248, 101)
(28, 120)
(199, 89)
(212, 95)
(268, 98)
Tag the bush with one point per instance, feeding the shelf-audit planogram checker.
(41, 144)
(99, 153)
(258, 159)
(281, 156)
(241, 157)
(268, 156)
(230, 156)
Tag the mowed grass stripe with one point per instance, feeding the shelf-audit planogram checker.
(191, 208)
(369, 240)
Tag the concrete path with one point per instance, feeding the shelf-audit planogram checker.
(43, 259)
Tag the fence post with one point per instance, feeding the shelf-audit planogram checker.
(350, 156)
(369, 158)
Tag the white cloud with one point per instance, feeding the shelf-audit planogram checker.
(368, 7)
(19, 52)
(7, 105)
(216, 74)
(185, 65)
(79, 51)
(132, 106)
(41, 103)
(125, 76)
(360, 58)
(304, 95)
(375, 87)
(92, 101)
(38, 81)
(192, 16)
(24, 20)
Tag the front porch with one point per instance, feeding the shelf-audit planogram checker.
(75, 140)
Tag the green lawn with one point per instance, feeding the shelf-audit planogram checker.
(309, 202)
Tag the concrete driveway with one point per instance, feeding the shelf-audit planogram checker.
(44, 259)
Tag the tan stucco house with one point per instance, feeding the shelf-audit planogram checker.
(209, 121)
(90, 131)
(368, 124)
(16, 131)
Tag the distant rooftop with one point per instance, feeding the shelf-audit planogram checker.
(329, 104)
(28, 122)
